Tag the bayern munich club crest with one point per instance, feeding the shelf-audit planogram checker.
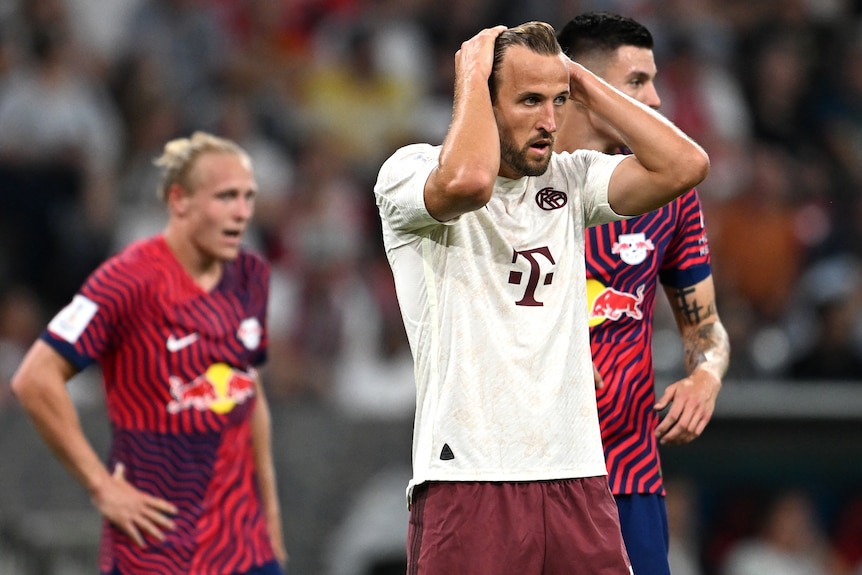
(550, 199)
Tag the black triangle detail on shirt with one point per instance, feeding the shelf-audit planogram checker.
(446, 454)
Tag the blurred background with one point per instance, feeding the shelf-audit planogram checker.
(320, 92)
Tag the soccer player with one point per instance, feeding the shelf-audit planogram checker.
(625, 261)
(485, 237)
(177, 325)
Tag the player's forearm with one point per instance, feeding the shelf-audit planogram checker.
(657, 143)
(264, 467)
(472, 140)
(707, 347)
(53, 414)
(265, 472)
(470, 155)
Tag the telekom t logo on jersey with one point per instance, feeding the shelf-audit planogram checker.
(535, 258)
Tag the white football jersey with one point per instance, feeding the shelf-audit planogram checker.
(494, 303)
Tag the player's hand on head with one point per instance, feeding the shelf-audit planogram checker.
(577, 74)
(136, 513)
(477, 53)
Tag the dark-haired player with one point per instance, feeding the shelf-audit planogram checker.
(625, 262)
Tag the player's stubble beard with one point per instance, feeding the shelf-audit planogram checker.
(516, 158)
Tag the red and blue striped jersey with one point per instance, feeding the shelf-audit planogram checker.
(178, 366)
(624, 261)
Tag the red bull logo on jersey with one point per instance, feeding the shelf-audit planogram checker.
(608, 303)
(219, 389)
(632, 248)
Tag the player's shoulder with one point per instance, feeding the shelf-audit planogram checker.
(248, 272)
(685, 203)
(408, 158)
(411, 150)
(252, 262)
(137, 261)
(688, 206)
(690, 197)
(127, 276)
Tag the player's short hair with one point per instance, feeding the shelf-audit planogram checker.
(600, 33)
(179, 156)
(539, 37)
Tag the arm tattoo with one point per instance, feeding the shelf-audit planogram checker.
(707, 346)
(692, 312)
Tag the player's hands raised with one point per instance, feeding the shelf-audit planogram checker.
(692, 402)
(580, 79)
(136, 513)
(477, 53)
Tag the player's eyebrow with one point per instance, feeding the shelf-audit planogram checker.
(639, 75)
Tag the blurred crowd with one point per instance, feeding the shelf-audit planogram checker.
(320, 92)
(790, 530)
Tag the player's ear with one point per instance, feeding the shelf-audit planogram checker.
(178, 199)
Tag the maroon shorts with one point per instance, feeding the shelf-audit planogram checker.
(525, 528)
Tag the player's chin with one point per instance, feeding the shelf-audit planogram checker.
(229, 246)
(228, 253)
(538, 166)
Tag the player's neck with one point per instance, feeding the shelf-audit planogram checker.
(205, 270)
(577, 134)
